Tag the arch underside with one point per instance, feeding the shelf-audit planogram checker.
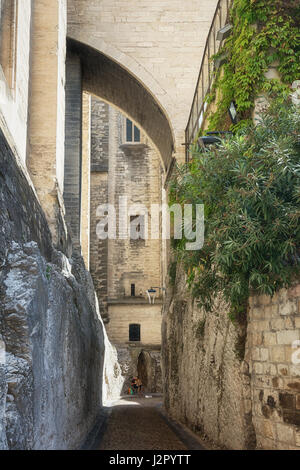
(106, 79)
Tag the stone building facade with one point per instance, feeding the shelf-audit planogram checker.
(125, 164)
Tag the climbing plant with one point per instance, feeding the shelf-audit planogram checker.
(250, 188)
(264, 32)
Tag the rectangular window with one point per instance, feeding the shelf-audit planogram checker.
(128, 130)
(133, 134)
(137, 134)
(134, 332)
(132, 290)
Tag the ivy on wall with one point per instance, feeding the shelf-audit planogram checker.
(264, 32)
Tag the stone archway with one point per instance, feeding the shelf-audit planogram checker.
(106, 79)
(89, 70)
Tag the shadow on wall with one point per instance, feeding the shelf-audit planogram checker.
(106, 79)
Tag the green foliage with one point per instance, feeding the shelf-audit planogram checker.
(250, 187)
(264, 32)
(48, 272)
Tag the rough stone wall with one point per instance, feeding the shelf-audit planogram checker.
(206, 385)
(273, 353)
(237, 384)
(51, 382)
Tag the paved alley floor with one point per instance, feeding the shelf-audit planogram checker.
(135, 423)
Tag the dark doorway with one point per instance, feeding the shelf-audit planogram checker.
(144, 369)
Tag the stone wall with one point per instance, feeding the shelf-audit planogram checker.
(206, 385)
(273, 353)
(99, 195)
(46, 111)
(51, 381)
(238, 384)
(143, 361)
(123, 314)
(160, 43)
(14, 93)
(73, 145)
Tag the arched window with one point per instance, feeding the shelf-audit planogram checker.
(134, 332)
(8, 14)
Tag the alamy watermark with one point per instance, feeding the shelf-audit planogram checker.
(136, 222)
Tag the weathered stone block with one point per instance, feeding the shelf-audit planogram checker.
(265, 428)
(269, 338)
(283, 369)
(258, 368)
(278, 354)
(277, 324)
(292, 417)
(287, 400)
(258, 313)
(295, 371)
(270, 369)
(271, 310)
(288, 307)
(264, 354)
(292, 383)
(285, 433)
(287, 336)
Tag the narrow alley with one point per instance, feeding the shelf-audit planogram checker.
(138, 423)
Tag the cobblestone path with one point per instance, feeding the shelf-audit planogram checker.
(137, 424)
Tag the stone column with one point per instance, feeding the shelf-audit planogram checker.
(45, 158)
(85, 180)
(73, 145)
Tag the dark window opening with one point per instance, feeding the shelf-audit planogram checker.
(134, 332)
(128, 130)
(137, 134)
(133, 134)
(132, 290)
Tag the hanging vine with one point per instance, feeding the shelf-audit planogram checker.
(264, 32)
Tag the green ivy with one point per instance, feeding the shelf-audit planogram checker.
(250, 188)
(264, 32)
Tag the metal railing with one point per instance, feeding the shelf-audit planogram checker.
(207, 72)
